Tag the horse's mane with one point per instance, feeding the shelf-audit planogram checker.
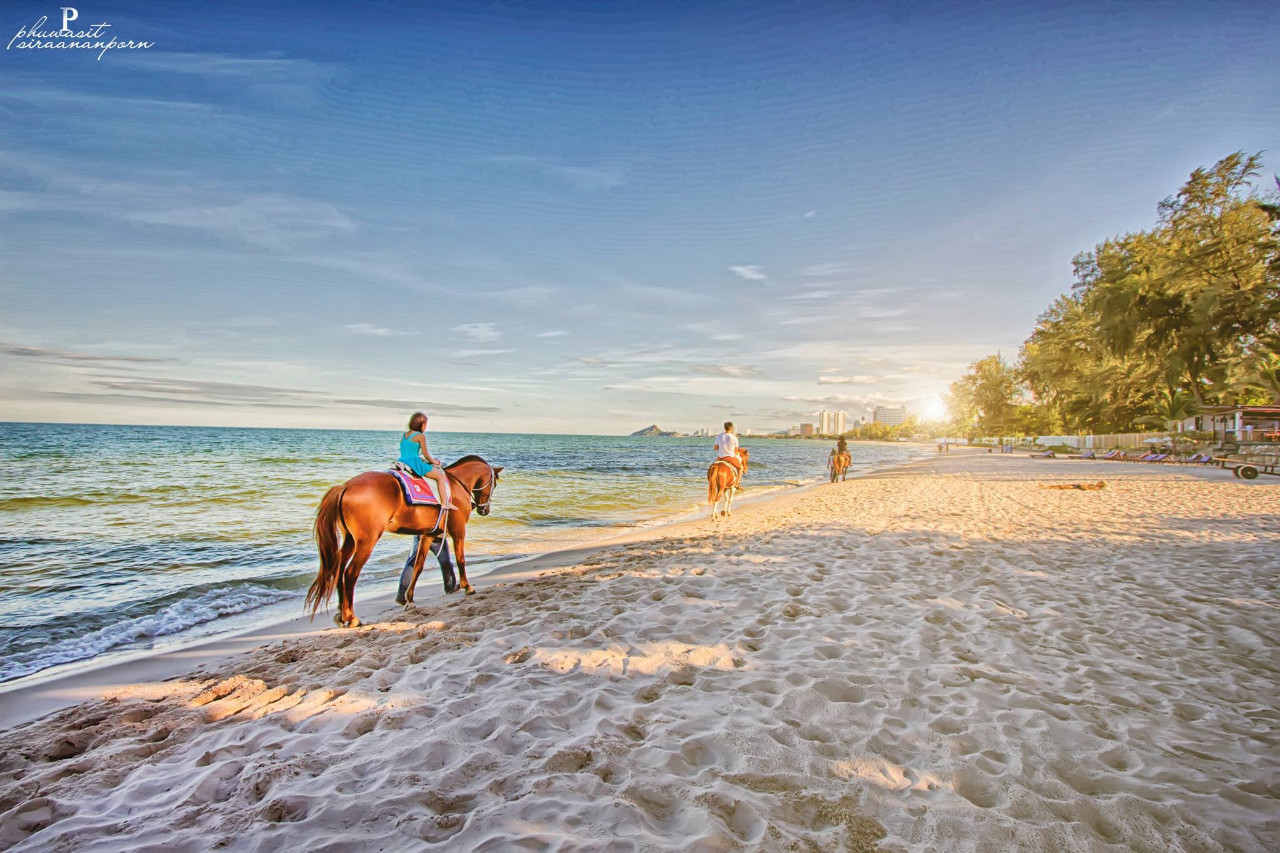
(470, 457)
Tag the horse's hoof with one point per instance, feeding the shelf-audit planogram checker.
(403, 601)
(355, 622)
(469, 589)
(337, 620)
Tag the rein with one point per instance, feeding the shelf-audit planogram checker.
(493, 478)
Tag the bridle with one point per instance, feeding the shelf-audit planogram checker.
(475, 502)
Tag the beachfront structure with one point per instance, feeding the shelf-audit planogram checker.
(831, 423)
(889, 415)
(1239, 424)
(806, 429)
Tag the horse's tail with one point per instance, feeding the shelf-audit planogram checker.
(712, 497)
(330, 530)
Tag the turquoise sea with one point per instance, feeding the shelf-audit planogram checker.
(119, 539)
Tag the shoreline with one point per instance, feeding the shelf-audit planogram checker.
(31, 697)
(943, 654)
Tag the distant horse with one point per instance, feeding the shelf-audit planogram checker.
(352, 518)
(722, 481)
(839, 466)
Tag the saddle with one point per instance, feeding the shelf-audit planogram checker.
(737, 472)
(417, 491)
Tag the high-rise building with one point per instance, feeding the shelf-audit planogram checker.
(806, 429)
(889, 415)
(840, 424)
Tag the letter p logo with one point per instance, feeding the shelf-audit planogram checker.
(69, 14)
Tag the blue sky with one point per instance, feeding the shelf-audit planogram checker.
(579, 217)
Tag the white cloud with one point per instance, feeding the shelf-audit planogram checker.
(850, 380)
(267, 221)
(823, 270)
(558, 333)
(586, 178)
(369, 329)
(735, 371)
(481, 332)
(749, 272)
(811, 214)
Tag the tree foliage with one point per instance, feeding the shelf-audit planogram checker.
(986, 397)
(1165, 321)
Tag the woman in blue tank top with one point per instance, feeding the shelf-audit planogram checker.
(415, 456)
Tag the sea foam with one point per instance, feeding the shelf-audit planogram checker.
(176, 617)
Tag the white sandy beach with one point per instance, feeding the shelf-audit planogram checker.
(942, 657)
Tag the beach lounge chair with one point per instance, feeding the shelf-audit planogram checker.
(1110, 455)
(1048, 454)
(1088, 454)
(1158, 457)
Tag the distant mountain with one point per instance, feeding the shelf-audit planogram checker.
(653, 429)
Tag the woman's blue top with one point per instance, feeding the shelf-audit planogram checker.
(411, 455)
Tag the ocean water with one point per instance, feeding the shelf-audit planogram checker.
(119, 539)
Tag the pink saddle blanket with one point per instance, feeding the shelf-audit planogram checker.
(417, 491)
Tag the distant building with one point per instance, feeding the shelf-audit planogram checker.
(889, 415)
(831, 423)
(806, 429)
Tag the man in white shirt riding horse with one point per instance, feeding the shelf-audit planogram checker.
(727, 447)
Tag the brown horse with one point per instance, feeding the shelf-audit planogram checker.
(352, 518)
(839, 466)
(722, 481)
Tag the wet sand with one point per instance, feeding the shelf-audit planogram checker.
(945, 656)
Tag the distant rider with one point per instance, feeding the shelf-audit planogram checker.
(727, 447)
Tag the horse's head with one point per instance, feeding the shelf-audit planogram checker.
(482, 493)
(479, 477)
(743, 454)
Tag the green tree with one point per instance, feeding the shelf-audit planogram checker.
(1173, 406)
(986, 396)
(1189, 310)
(1200, 292)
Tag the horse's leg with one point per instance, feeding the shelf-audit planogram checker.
(459, 549)
(345, 552)
(347, 583)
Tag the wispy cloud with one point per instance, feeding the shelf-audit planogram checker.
(811, 214)
(558, 333)
(220, 64)
(370, 329)
(270, 221)
(176, 391)
(735, 371)
(749, 272)
(593, 178)
(410, 405)
(481, 332)
(825, 270)
(849, 380)
(58, 355)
